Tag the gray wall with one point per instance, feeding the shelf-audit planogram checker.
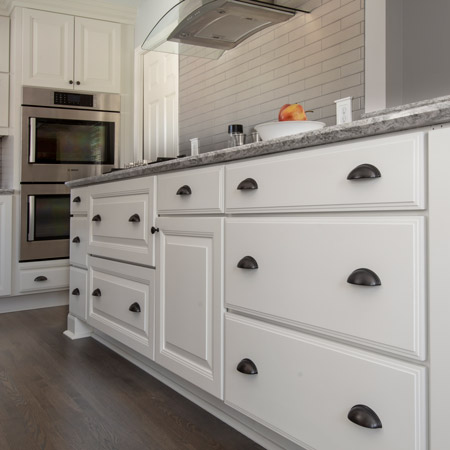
(426, 56)
(312, 59)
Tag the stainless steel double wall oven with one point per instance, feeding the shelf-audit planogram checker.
(65, 136)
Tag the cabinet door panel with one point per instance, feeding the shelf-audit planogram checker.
(47, 49)
(190, 304)
(97, 55)
(5, 244)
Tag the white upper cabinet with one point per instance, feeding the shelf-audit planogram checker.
(66, 52)
(4, 44)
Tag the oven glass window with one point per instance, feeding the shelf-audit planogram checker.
(60, 141)
(49, 217)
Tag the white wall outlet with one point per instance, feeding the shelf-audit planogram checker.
(343, 110)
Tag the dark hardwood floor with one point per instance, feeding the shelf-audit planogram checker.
(58, 394)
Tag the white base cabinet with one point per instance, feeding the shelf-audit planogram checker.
(190, 304)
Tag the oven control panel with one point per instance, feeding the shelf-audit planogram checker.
(69, 99)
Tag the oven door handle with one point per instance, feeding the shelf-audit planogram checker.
(32, 156)
(31, 216)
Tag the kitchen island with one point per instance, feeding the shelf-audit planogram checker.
(294, 287)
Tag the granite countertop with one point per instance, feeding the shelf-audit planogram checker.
(6, 191)
(406, 117)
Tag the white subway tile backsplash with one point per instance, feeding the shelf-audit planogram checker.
(313, 59)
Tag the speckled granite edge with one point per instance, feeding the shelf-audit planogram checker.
(6, 191)
(432, 113)
(399, 108)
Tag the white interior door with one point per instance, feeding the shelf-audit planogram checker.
(160, 105)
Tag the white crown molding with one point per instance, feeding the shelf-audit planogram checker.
(94, 9)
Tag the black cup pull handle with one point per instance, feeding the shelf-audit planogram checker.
(247, 185)
(135, 307)
(97, 218)
(154, 230)
(364, 277)
(364, 416)
(76, 291)
(134, 218)
(364, 171)
(184, 190)
(41, 278)
(247, 262)
(76, 200)
(76, 240)
(247, 367)
(97, 293)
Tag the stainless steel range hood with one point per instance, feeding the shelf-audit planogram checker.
(206, 28)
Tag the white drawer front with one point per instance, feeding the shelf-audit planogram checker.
(305, 388)
(303, 267)
(45, 278)
(193, 191)
(79, 232)
(121, 302)
(121, 216)
(78, 293)
(79, 201)
(316, 179)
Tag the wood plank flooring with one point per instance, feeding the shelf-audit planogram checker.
(58, 394)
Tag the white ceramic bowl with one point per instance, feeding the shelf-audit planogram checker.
(272, 130)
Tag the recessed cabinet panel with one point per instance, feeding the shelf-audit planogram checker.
(197, 191)
(190, 308)
(4, 44)
(121, 216)
(121, 302)
(360, 279)
(306, 387)
(78, 293)
(97, 55)
(47, 49)
(5, 244)
(44, 276)
(384, 173)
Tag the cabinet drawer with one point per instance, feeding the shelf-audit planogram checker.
(305, 388)
(78, 293)
(121, 302)
(79, 232)
(307, 269)
(193, 191)
(79, 201)
(33, 278)
(121, 216)
(316, 179)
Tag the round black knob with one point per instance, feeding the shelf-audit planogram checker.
(78, 83)
(70, 81)
(154, 230)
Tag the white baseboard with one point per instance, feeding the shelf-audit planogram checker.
(34, 301)
(248, 427)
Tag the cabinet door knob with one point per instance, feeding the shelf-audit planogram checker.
(76, 291)
(70, 81)
(154, 230)
(135, 307)
(77, 199)
(364, 171)
(76, 240)
(364, 416)
(97, 293)
(78, 83)
(184, 190)
(41, 278)
(364, 277)
(97, 218)
(247, 185)
(134, 218)
(247, 367)
(247, 262)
